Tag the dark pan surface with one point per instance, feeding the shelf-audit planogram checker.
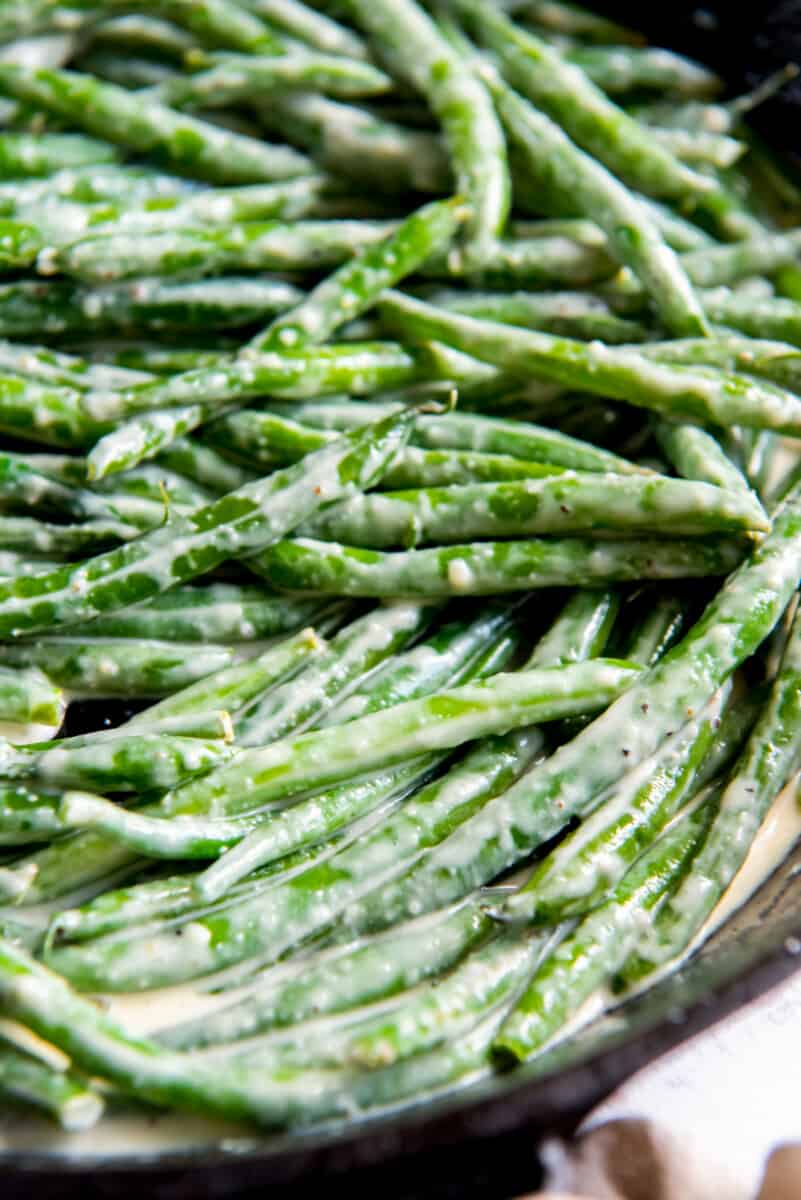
(481, 1142)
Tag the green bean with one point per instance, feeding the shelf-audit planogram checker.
(235, 687)
(757, 255)
(356, 286)
(484, 568)
(466, 431)
(231, 78)
(359, 145)
(64, 221)
(59, 1093)
(100, 666)
(112, 182)
(131, 73)
(29, 695)
(205, 466)
(314, 28)
(62, 541)
(67, 370)
(768, 760)
(593, 121)
(777, 361)
(212, 22)
(240, 522)
(632, 236)
(567, 314)
(558, 504)
(131, 120)
(61, 306)
(262, 246)
(618, 69)
(24, 155)
(217, 612)
(602, 941)
(459, 100)
(540, 261)
(696, 455)
(572, 20)
(701, 148)
(660, 703)
(139, 762)
(773, 317)
(702, 394)
(272, 440)
(140, 33)
(365, 367)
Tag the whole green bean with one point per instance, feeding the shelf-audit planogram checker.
(358, 144)
(633, 238)
(314, 28)
(772, 317)
(231, 78)
(139, 762)
(216, 612)
(272, 440)
(702, 394)
(61, 306)
(193, 251)
(101, 666)
(425, 58)
(468, 431)
(144, 125)
(558, 504)
(618, 69)
(567, 314)
(360, 368)
(483, 568)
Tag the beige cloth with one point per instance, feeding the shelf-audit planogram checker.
(719, 1118)
(630, 1160)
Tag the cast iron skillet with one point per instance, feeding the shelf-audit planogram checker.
(481, 1142)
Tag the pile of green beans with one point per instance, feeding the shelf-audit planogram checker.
(400, 493)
